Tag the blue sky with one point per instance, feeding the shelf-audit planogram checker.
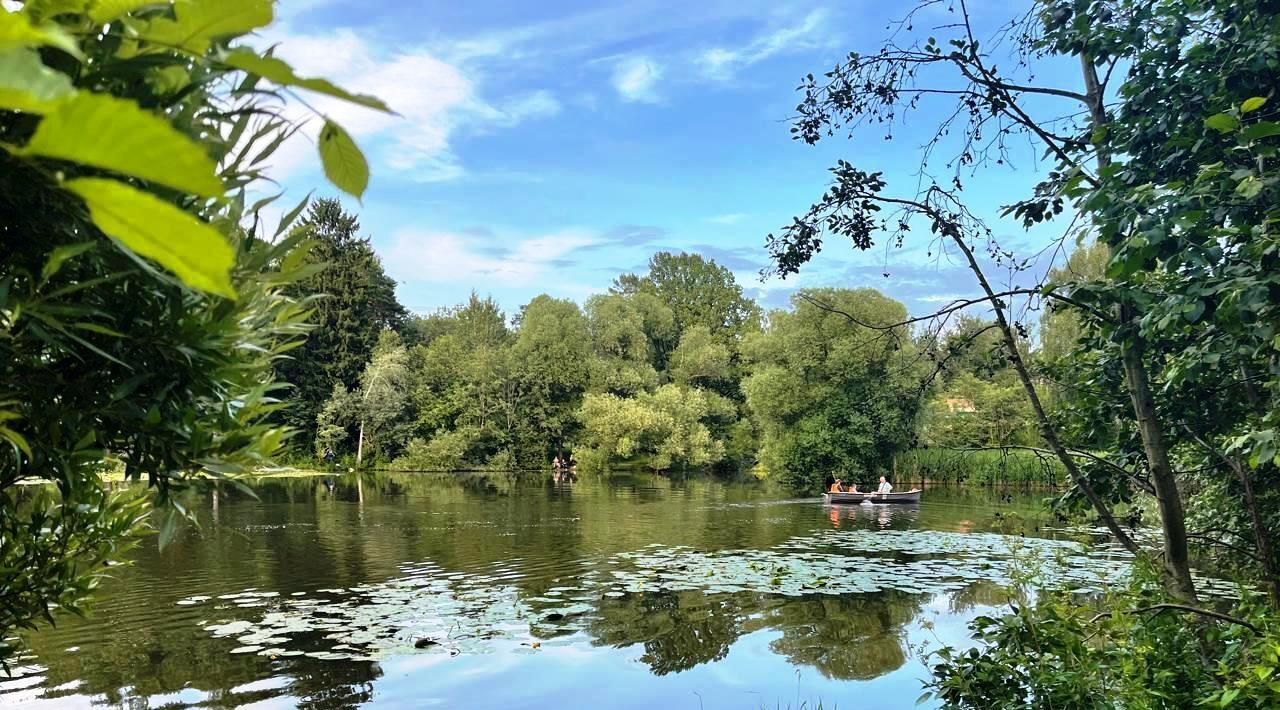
(550, 146)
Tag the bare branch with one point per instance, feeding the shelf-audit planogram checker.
(1158, 608)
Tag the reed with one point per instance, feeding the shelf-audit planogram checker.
(980, 467)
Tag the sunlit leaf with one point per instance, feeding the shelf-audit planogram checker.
(344, 164)
(104, 11)
(60, 256)
(195, 252)
(1252, 104)
(26, 84)
(278, 71)
(115, 134)
(17, 30)
(197, 23)
(1223, 122)
(48, 9)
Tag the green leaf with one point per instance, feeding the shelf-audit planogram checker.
(169, 526)
(99, 329)
(1261, 129)
(1223, 122)
(115, 134)
(278, 71)
(17, 30)
(344, 164)
(195, 252)
(287, 220)
(1252, 104)
(47, 9)
(1249, 187)
(27, 85)
(16, 439)
(197, 23)
(104, 11)
(60, 256)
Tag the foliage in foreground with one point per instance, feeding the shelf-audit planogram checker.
(142, 303)
(1058, 652)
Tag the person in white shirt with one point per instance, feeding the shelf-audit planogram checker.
(885, 486)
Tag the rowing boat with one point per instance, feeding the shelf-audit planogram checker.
(903, 497)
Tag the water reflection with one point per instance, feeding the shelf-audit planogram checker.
(853, 637)
(520, 572)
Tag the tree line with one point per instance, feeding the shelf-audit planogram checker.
(673, 368)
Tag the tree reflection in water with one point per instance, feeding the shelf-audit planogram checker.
(851, 637)
(679, 630)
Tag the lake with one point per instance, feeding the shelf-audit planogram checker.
(486, 591)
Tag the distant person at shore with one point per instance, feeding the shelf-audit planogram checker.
(555, 463)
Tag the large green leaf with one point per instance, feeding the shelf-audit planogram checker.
(48, 9)
(1222, 122)
(344, 164)
(104, 11)
(278, 71)
(1261, 129)
(195, 252)
(197, 23)
(17, 30)
(115, 134)
(26, 84)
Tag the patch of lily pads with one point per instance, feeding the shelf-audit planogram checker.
(431, 610)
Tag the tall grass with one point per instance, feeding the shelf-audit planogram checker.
(984, 468)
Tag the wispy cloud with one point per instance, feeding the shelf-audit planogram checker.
(467, 257)
(722, 63)
(741, 259)
(435, 99)
(730, 218)
(635, 78)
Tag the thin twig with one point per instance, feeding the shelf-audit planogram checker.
(1183, 607)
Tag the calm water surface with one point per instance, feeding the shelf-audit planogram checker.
(402, 590)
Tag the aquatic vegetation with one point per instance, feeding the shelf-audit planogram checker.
(432, 610)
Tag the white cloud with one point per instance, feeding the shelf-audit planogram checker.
(941, 298)
(435, 100)
(720, 63)
(539, 104)
(731, 218)
(447, 257)
(635, 78)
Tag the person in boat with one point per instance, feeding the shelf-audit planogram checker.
(836, 487)
(885, 486)
(555, 463)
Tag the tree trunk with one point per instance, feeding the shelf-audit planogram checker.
(1177, 561)
(1042, 419)
(360, 445)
